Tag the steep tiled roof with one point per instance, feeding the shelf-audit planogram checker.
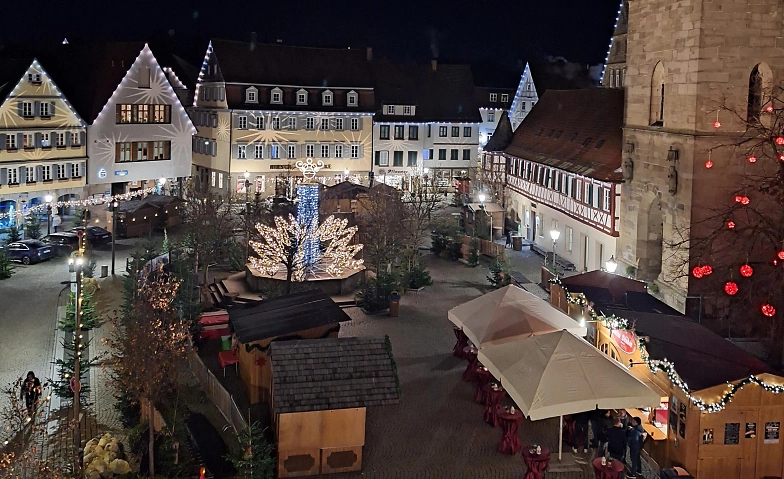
(284, 315)
(577, 130)
(278, 64)
(502, 136)
(335, 373)
(446, 94)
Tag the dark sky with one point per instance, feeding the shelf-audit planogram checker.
(495, 31)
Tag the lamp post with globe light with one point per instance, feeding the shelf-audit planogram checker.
(48, 199)
(345, 174)
(161, 183)
(611, 265)
(554, 234)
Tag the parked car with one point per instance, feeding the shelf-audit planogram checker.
(29, 251)
(96, 235)
(63, 243)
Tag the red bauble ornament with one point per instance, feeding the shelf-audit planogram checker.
(769, 109)
(738, 198)
(752, 159)
(731, 224)
(745, 200)
(697, 272)
(730, 288)
(717, 124)
(779, 140)
(768, 310)
(780, 254)
(781, 157)
(706, 270)
(709, 164)
(746, 271)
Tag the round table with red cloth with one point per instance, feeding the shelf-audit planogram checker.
(470, 371)
(510, 423)
(493, 398)
(537, 463)
(610, 471)
(483, 378)
(460, 345)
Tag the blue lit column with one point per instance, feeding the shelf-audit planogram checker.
(308, 215)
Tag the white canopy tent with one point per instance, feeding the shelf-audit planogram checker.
(559, 373)
(507, 314)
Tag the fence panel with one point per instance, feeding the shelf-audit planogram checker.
(216, 392)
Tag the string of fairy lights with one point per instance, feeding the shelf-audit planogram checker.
(663, 365)
(40, 208)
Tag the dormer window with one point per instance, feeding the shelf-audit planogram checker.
(34, 78)
(302, 97)
(352, 98)
(494, 97)
(390, 109)
(504, 97)
(277, 96)
(251, 95)
(326, 98)
(407, 110)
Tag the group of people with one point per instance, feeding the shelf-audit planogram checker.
(612, 433)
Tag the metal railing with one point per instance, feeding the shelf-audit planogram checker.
(216, 392)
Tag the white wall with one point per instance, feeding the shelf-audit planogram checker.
(391, 145)
(487, 127)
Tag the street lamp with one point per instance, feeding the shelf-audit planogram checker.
(48, 199)
(114, 205)
(611, 265)
(554, 234)
(482, 198)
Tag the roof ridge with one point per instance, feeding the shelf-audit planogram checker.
(284, 45)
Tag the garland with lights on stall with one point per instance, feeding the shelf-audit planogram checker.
(656, 365)
(40, 208)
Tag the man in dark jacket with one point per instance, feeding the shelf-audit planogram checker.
(616, 441)
(31, 392)
(635, 436)
(581, 431)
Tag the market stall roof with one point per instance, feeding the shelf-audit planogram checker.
(559, 373)
(507, 314)
(333, 373)
(284, 315)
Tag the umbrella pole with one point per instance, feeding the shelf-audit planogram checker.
(560, 436)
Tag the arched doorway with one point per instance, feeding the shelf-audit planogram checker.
(650, 235)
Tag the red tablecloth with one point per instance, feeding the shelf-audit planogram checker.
(214, 317)
(462, 342)
(470, 371)
(510, 423)
(483, 378)
(610, 471)
(536, 463)
(493, 398)
(227, 358)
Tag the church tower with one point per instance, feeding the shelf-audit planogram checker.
(614, 73)
(689, 66)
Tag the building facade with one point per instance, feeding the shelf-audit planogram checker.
(525, 98)
(562, 172)
(262, 109)
(493, 104)
(42, 141)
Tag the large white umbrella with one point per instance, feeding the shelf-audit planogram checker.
(559, 373)
(507, 314)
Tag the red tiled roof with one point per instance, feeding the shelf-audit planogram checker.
(579, 131)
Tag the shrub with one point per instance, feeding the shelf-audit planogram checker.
(500, 275)
(418, 276)
(374, 295)
(473, 253)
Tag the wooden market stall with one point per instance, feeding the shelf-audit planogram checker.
(143, 216)
(321, 389)
(712, 420)
(305, 315)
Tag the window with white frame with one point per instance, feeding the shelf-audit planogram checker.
(494, 97)
(215, 121)
(302, 97)
(260, 122)
(34, 78)
(355, 124)
(326, 98)
(27, 109)
(338, 151)
(588, 192)
(467, 131)
(258, 151)
(491, 116)
(292, 123)
(277, 96)
(606, 199)
(220, 180)
(46, 173)
(383, 158)
(352, 99)
(276, 123)
(292, 151)
(504, 97)
(76, 170)
(45, 105)
(60, 139)
(355, 151)
(338, 123)
(310, 123)
(309, 149)
(407, 110)
(390, 109)
(325, 151)
(251, 95)
(30, 174)
(13, 176)
(46, 140)
(242, 151)
(578, 191)
(61, 173)
(242, 122)
(325, 124)
(569, 238)
(212, 179)
(28, 140)
(10, 142)
(274, 152)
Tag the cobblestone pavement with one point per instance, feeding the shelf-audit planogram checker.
(437, 430)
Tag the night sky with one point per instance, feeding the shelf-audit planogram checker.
(500, 32)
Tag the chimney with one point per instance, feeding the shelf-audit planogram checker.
(369, 54)
(434, 64)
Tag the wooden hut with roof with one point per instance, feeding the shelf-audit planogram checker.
(321, 389)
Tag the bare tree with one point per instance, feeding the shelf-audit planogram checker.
(421, 206)
(382, 218)
(210, 224)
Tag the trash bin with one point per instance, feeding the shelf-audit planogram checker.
(104, 270)
(225, 343)
(394, 304)
(517, 243)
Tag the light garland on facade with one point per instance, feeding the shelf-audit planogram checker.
(308, 216)
(40, 208)
(668, 367)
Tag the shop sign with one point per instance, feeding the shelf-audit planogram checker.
(625, 341)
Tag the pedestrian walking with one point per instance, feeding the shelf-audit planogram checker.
(635, 437)
(31, 392)
(508, 239)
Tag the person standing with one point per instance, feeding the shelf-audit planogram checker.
(624, 417)
(508, 239)
(616, 441)
(635, 437)
(581, 432)
(31, 392)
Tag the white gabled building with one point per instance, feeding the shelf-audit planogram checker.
(524, 98)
